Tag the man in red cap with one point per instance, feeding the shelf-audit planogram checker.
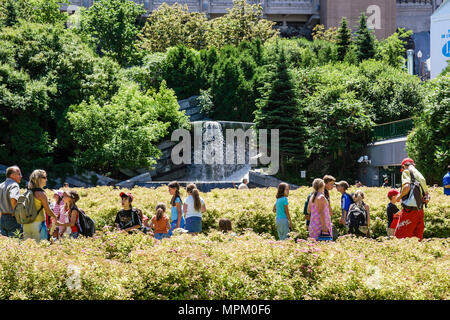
(411, 222)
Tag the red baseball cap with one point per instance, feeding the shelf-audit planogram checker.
(128, 194)
(392, 192)
(406, 160)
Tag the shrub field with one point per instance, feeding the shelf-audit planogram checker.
(251, 265)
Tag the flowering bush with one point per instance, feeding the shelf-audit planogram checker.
(252, 209)
(220, 266)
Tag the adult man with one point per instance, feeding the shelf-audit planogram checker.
(446, 182)
(411, 222)
(9, 193)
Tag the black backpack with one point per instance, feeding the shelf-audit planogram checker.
(357, 217)
(86, 225)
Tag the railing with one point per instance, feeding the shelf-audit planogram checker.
(392, 129)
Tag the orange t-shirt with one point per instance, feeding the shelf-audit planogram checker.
(161, 225)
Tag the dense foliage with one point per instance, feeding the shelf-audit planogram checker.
(429, 143)
(112, 26)
(217, 266)
(171, 26)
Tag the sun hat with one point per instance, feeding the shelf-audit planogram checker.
(60, 193)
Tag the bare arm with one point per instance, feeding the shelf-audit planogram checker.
(203, 207)
(286, 209)
(73, 220)
(13, 203)
(274, 208)
(404, 192)
(179, 214)
(184, 209)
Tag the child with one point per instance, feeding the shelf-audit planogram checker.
(70, 199)
(320, 223)
(129, 218)
(160, 222)
(358, 218)
(346, 200)
(176, 211)
(193, 207)
(283, 220)
(58, 210)
(391, 212)
(225, 226)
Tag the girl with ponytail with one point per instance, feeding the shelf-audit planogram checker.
(160, 222)
(281, 207)
(193, 207)
(320, 222)
(176, 211)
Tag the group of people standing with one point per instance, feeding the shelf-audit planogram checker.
(62, 216)
(355, 213)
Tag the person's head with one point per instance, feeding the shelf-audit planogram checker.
(70, 198)
(58, 196)
(66, 185)
(38, 179)
(406, 163)
(358, 196)
(392, 194)
(244, 181)
(386, 180)
(358, 183)
(225, 225)
(283, 190)
(329, 182)
(127, 199)
(318, 186)
(190, 187)
(174, 190)
(14, 173)
(342, 186)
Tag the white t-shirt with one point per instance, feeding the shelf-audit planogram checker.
(243, 186)
(191, 212)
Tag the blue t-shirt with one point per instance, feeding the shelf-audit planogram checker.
(174, 211)
(446, 182)
(281, 202)
(345, 203)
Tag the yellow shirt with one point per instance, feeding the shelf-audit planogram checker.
(41, 215)
(406, 178)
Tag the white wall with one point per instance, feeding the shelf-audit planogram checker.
(439, 42)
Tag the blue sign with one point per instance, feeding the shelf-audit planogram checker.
(446, 49)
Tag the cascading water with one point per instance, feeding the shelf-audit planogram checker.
(209, 158)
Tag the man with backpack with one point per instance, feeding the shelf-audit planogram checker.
(9, 193)
(413, 196)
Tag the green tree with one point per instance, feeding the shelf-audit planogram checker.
(392, 50)
(113, 28)
(174, 25)
(429, 142)
(8, 13)
(181, 70)
(242, 22)
(344, 38)
(119, 134)
(279, 109)
(365, 40)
